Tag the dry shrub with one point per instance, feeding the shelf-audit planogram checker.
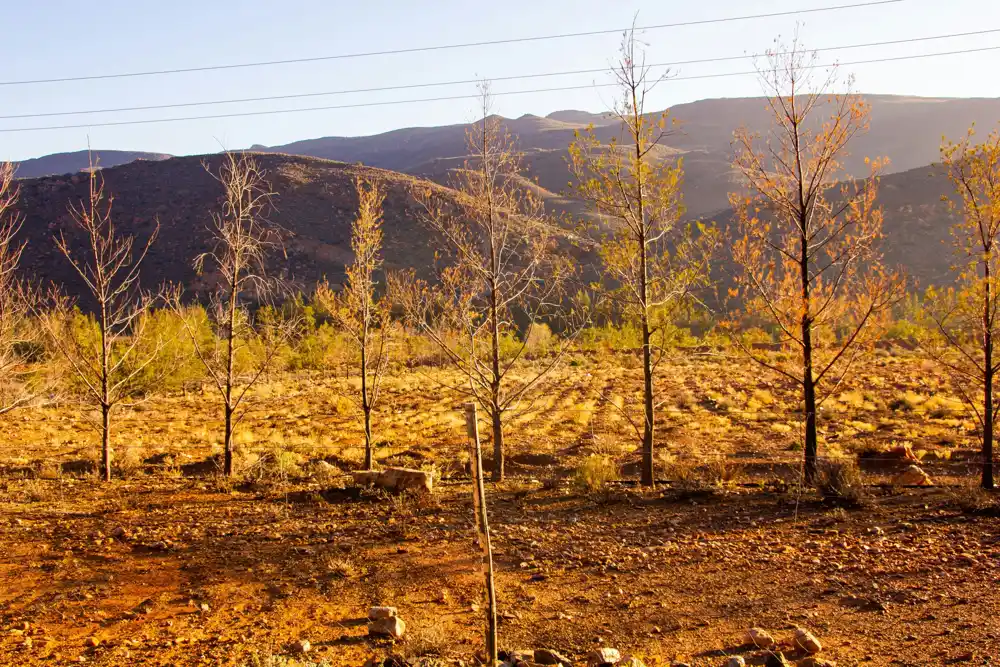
(975, 500)
(128, 462)
(720, 471)
(426, 641)
(275, 465)
(682, 470)
(841, 482)
(595, 472)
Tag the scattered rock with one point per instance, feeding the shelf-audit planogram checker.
(92, 642)
(395, 479)
(759, 638)
(546, 656)
(736, 661)
(375, 613)
(604, 656)
(913, 476)
(301, 646)
(807, 641)
(392, 626)
(631, 661)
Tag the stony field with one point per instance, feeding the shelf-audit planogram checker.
(172, 565)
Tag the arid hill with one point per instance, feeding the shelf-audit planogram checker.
(315, 205)
(68, 163)
(907, 130)
(316, 202)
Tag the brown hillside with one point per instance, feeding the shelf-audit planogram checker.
(907, 130)
(316, 203)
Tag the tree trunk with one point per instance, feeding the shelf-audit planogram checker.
(809, 400)
(227, 468)
(366, 407)
(987, 481)
(498, 462)
(106, 442)
(230, 373)
(647, 405)
(483, 531)
(369, 459)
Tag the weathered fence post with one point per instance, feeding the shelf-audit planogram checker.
(482, 530)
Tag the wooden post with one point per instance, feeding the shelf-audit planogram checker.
(482, 530)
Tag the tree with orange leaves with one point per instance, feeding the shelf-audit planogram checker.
(807, 242)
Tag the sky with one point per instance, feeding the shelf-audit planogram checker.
(66, 38)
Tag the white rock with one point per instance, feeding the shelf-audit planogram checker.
(807, 641)
(759, 638)
(604, 656)
(388, 627)
(913, 476)
(376, 613)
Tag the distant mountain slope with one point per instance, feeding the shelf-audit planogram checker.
(316, 203)
(907, 130)
(69, 163)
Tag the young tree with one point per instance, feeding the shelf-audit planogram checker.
(806, 248)
(967, 317)
(358, 311)
(18, 383)
(503, 263)
(654, 260)
(245, 344)
(104, 352)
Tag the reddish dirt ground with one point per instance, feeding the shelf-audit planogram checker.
(174, 571)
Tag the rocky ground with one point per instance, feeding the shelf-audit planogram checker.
(175, 571)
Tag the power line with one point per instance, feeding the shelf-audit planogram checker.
(446, 98)
(411, 86)
(443, 47)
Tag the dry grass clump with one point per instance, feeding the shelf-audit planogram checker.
(973, 499)
(841, 482)
(595, 472)
(426, 641)
(266, 658)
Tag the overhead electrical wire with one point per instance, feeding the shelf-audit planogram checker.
(464, 97)
(436, 84)
(443, 47)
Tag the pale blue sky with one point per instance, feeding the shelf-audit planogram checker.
(69, 38)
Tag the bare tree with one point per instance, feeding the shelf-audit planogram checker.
(108, 357)
(806, 249)
(18, 380)
(361, 313)
(502, 263)
(654, 260)
(966, 317)
(242, 237)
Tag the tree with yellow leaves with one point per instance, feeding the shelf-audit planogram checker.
(966, 316)
(654, 261)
